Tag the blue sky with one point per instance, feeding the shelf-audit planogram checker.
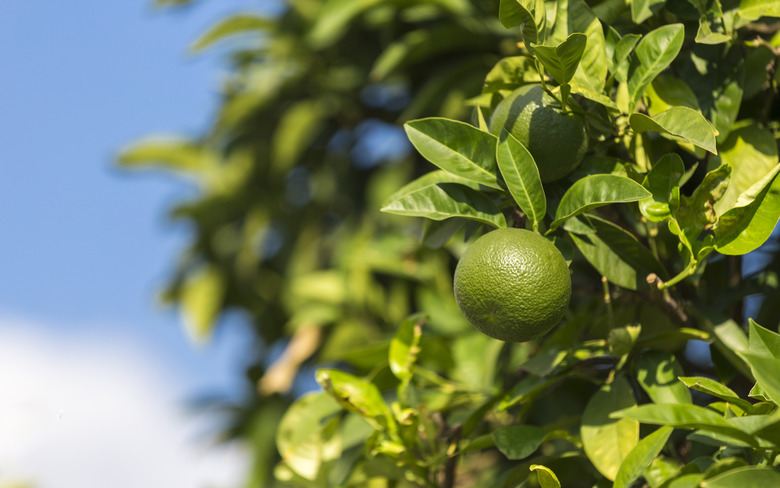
(85, 247)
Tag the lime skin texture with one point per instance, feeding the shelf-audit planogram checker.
(513, 285)
(556, 139)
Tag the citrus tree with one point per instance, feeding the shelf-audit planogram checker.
(569, 311)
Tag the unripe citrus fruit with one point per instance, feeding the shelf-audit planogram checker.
(556, 139)
(513, 285)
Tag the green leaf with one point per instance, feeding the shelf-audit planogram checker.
(509, 73)
(334, 18)
(522, 177)
(173, 154)
(405, 347)
(607, 441)
(682, 122)
(296, 129)
(684, 416)
(716, 389)
(713, 28)
(762, 340)
(562, 60)
(439, 195)
(653, 54)
(530, 14)
(230, 26)
(302, 438)
(744, 228)
(641, 456)
(357, 395)
(545, 476)
(666, 92)
(657, 373)
(456, 147)
(617, 254)
(663, 181)
(596, 191)
(519, 441)
(201, 301)
(755, 9)
(744, 477)
(622, 56)
(751, 153)
(590, 77)
(642, 10)
(621, 340)
(765, 370)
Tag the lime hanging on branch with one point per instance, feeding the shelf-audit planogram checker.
(513, 285)
(556, 138)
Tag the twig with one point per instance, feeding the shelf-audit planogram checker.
(668, 303)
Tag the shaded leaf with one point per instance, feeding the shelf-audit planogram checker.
(765, 370)
(641, 456)
(295, 131)
(666, 92)
(642, 10)
(456, 147)
(682, 122)
(744, 477)
(522, 177)
(653, 54)
(519, 441)
(713, 28)
(546, 477)
(762, 340)
(607, 441)
(530, 14)
(663, 181)
(596, 191)
(562, 60)
(657, 373)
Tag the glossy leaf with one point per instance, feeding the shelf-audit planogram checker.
(657, 373)
(405, 347)
(357, 395)
(765, 370)
(641, 456)
(666, 92)
(545, 476)
(606, 440)
(622, 56)
(561, 61)
(654, 53)
(663, 182)
(762, 340)
(716, 389)
(439, 195)
(519, 441)
(530, 14)
(617, 254)
(596, 191)
(682, 122)
(744, 477)
(522, 177)
(589, 79)
(230, 26)
(456, 147)
(743, 228)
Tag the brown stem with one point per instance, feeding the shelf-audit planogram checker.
(667, 302)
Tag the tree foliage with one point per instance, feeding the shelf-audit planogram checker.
(680, 180)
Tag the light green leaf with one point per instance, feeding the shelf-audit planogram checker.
(641, 456)
(456, 147)
(663, 181)
(622, 56)
(545, 476)
(755, 9)
(744, 228)
(642, 10)
(653, 54)
(684, 416)
(682, 122)
(440, 195)
(657, 373)
(173, 154)
(519, 441)
(713, 28)
(405, 347)
(530, 14)
(201, 301)
(751, 153)
(762, 340)
(230, 26)
(765, 370)
(744, 477)
(295, 131)
(590, 77)
(357, 395)
(607, 441)
(596, 191)
(334, 18)
(666, 92)
(562, 60)
(621, 340)
(716, 389)
(522, 177)
(509, 73)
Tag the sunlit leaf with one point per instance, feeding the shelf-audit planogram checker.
(596, 191)
(682, 122)
(653, 54)
(642, 10)
(641, 456)
(663, 181)
(522, 177)
(357, 395)
(201, 301)
(755, 9)
(231, 26)
(405, 347)
(657, 373)
(545, 476)
(562, 60)
(716, 389)
(744, 477)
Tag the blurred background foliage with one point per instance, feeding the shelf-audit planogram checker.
(290, 175)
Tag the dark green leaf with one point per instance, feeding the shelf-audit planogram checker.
(657, 373)
(334, 18)
(653, 54)
(682, 122)
(230, 26)
(439, 195)
(522, 177)
(607, 441)
(617, 254)
(641, 456)
(519, 441)
(663, 181)
(562, 60)
(456, 147)
(596, 191)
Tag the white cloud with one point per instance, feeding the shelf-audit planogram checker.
(99, 412)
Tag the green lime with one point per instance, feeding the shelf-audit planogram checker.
(513, 285)
(557, 140)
